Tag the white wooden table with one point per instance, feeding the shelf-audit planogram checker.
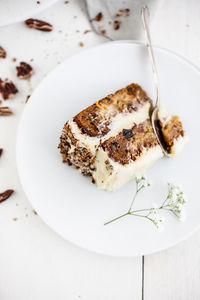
(34, 262)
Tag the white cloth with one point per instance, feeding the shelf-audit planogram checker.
(130, 26)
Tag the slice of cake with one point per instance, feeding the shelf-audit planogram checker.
(81, 137)
(113, 140)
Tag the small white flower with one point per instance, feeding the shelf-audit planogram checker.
(142, 182)
(157, 219)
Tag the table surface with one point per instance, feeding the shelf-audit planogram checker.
(35, 263)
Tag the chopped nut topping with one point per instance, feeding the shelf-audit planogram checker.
(7, 89)
(5, 111)
(39, 25)
(99, 17)
(2, 53)
(24, 71)
(5, 195)
(116, 25)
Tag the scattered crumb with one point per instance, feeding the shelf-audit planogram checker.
(123, 12)
(116, 25)
(77, 30)
(14, 59)
(109, 22)
(187, 25)
(99, 17)
(87, 31)
(15, 219)
(59, 30)
(32, 59)
(1, 151)
(34, 211)
(2, 53)
(27, 98)
(103, 31)
(38, 2)
(66, 2)
(75, 17)
(118, 14)
(26, 215)
(81, 44)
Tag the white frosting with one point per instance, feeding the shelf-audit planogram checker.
(163, 115)
(121, 174)
(121, 121)
(179, 145)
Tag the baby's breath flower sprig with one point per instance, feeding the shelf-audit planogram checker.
(174, 203)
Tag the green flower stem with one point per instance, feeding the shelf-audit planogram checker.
(115, 219)
(137, 191)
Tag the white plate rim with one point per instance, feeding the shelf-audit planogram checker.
(143, 253)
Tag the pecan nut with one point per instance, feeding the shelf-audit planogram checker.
(5, 111)
(2, 53)
(7, 89)
(24, 70)
(5, 195)
(39, 25)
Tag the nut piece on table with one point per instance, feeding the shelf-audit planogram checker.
(5, 195)
(39, 25)
(116, 24)
(99, 17)
(24, 70)
(7, 89)
(5, 111)
(2, 53)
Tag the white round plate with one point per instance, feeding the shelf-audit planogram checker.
(12, 11)
(67, 201)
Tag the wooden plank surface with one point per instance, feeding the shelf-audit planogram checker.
(34, 262)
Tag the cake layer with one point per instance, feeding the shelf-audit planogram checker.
(96, 120)
(101, 121)
(121, 158)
